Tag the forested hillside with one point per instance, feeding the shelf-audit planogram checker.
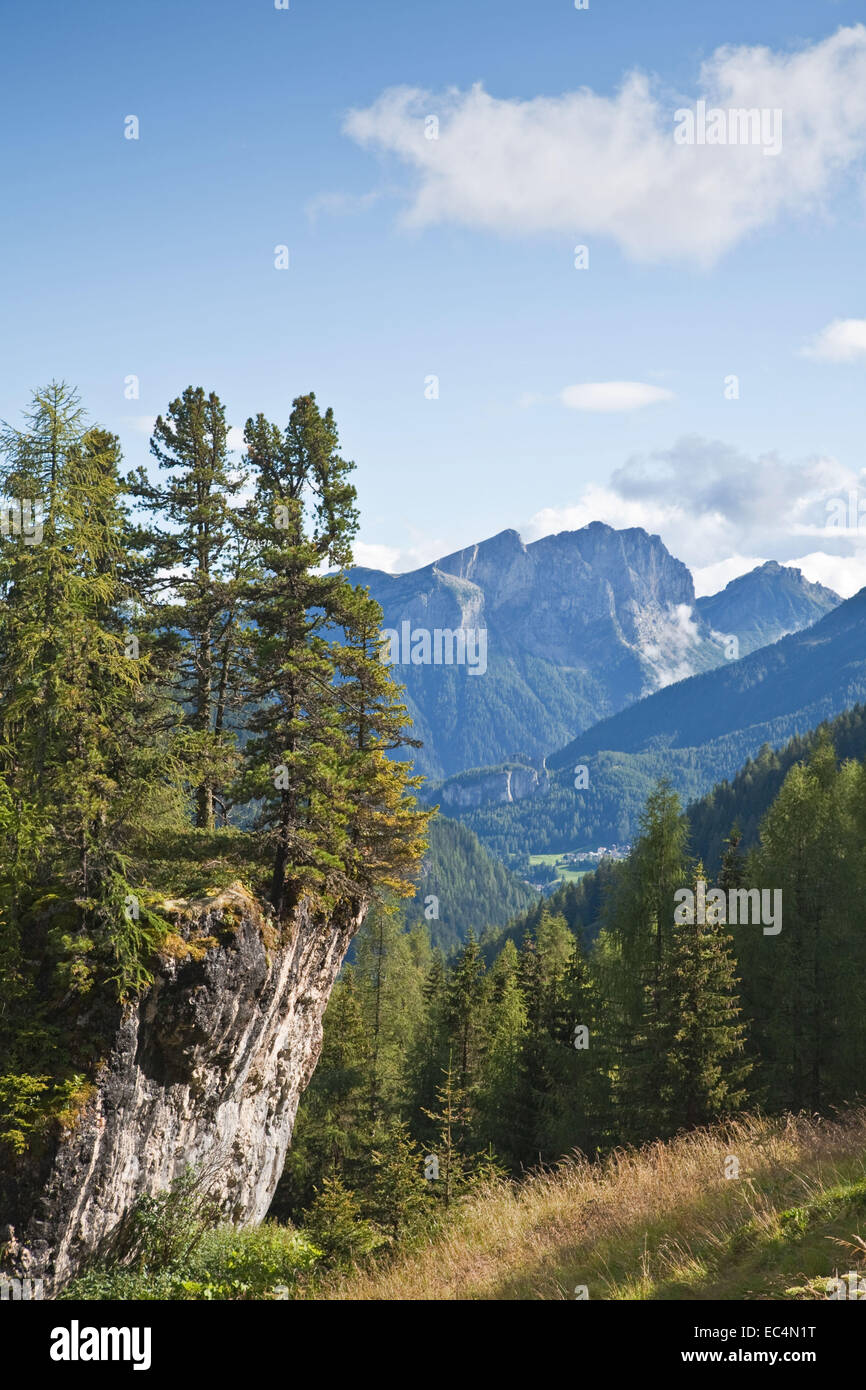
(609, 1014)
(696, 733)
(745, 800)
(462, 888)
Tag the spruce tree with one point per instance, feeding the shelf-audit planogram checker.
(465, 1009)
(499, 1092)
(798, 978)
(706, 1071)
(639, 935)
(397, 1193)
(449, 1119)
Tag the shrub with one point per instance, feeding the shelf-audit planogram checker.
(265, 1262)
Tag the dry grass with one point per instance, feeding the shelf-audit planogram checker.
(660, 1222)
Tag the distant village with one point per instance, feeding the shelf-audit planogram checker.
(592, 856)
(546, 880)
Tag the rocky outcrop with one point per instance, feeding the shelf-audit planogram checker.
(492, 786)
(205, 1070)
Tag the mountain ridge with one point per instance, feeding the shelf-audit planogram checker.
(696, 733)
(578, 625)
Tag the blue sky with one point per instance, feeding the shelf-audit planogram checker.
(455, 257)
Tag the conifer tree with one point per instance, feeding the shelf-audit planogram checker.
(465, 1017)
(498, 1099)
(330, 800)
(733, 869)
(429, 1053)
(398, 1194)
(706, 1071)
(798, 978)
(198, 565)
(449, 1119)
(83, 759)
(555, 1083)
(636, 978)
(334, 1223)
(390, 964)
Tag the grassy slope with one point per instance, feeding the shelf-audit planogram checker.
(658, 1223)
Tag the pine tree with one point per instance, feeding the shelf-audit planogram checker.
(336, 814)
(555, 1080)
(389, 971)
(464, 1017)
(449, 1118)
(733, 870)
(388, 834)
(334, 1223)
(198, 566)
(499, 1092)
(798, 978)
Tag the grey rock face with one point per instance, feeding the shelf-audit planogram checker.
(578, 626)
(207, 1069)
(492, 786)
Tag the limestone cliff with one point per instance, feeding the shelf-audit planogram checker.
(206, 1069)
(492, 786)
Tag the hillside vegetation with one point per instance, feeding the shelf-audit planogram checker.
(462, 888)
(696, 733)
(662, 1222)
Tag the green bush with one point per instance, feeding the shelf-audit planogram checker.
(263, 1263)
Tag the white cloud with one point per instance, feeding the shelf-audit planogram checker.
(844, 573)
(377, 557)
(608, 396)
(710, 579)
(401, 559)
(583, 164)
(671, 648)
(843, 340)
(716, 508)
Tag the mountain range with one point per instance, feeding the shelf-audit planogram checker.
(577, 627)
(696, 733)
